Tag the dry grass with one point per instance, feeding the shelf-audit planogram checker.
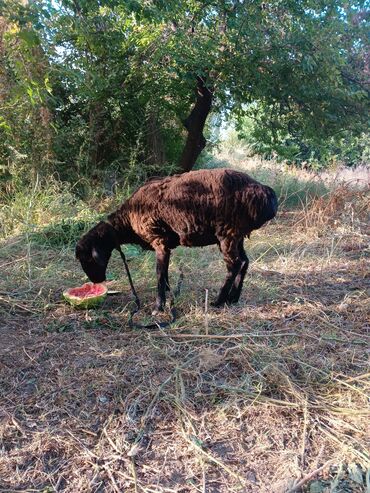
(268, 396)
(356, 177)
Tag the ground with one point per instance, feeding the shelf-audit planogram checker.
(270, 395)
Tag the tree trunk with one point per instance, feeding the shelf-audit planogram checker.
(156, 155)
(98, 136)
(194, 124)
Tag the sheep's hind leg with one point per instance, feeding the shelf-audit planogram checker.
(163, 260)
(167, 281)
(237, 286)
(230, 251)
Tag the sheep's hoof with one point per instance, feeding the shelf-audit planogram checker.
(232, 301)
(220, 304)
(217, 304)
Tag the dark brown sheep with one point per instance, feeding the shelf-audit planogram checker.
(199, 208)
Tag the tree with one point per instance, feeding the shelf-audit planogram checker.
(134, 80)
(25, 120)
(299, 67)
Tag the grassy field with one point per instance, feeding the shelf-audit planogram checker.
(268, 396)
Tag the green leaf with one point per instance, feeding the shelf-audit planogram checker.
(30, 37)
(47, 85)
(4, 125)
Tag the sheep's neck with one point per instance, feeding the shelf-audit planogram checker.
(121, 223)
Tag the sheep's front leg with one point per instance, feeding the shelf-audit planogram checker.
(163, 260)
(230, 251)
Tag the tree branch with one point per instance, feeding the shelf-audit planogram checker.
(194, 124)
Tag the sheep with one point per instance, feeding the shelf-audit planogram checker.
(194, 209)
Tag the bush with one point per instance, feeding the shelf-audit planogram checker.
(271, 140)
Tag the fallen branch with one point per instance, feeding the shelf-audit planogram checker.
(308, 477)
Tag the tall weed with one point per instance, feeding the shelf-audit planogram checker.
(44, 203)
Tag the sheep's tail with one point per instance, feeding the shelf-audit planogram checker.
(273, 202)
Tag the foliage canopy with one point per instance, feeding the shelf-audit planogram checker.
(95, 85)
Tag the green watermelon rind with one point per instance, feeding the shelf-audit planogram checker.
(87, 302)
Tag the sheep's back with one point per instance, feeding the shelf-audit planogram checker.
(208, 202)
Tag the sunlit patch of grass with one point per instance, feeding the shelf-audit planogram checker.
(291, 189)
(38, 205)
(61, 234)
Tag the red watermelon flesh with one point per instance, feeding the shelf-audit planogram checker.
(88, 289)
(87, 295)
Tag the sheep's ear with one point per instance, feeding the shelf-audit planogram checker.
(97, 257)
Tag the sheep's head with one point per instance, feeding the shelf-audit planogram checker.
(94, 250)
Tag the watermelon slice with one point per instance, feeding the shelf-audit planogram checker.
(88, 295)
